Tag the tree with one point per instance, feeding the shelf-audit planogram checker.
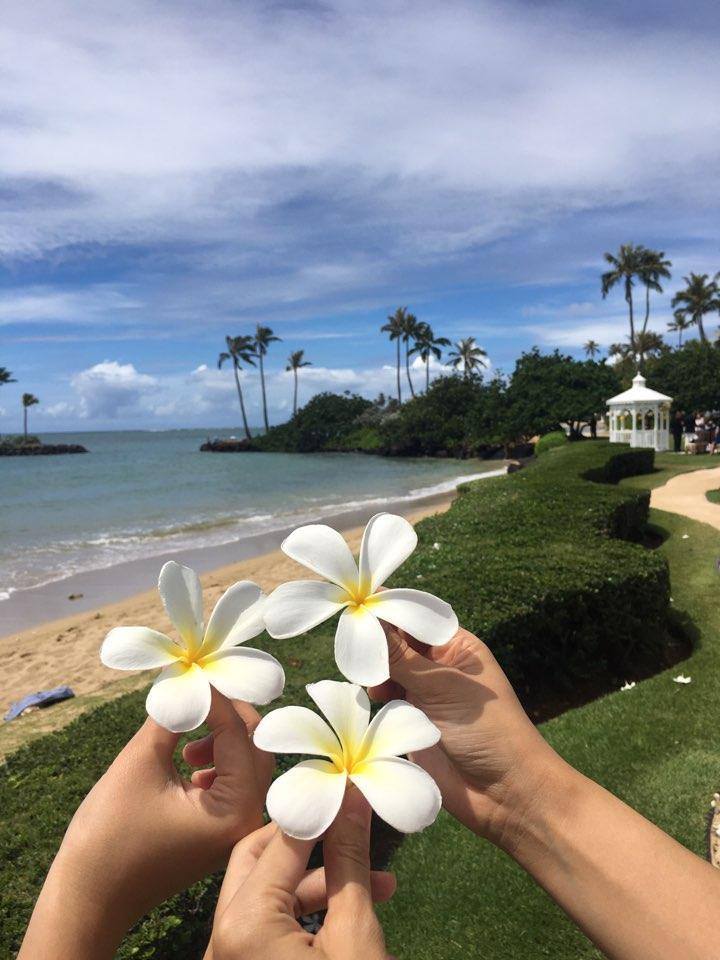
(653, 268)
(679, 325)
(591, 348)
(690, 375)
(468, 355)
(263, 338)
(700, 296)
(295, 362)
(6, 376)
(395, 328)
(624, 267)
(410, 328)
(239, 350)
(428, 345)
(28, 400)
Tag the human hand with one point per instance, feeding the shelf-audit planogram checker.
(267, 885)
(143, 833)
(491, 760)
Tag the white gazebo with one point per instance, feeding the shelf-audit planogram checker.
(640, 416)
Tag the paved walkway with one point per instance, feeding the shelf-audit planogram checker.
(685, 494)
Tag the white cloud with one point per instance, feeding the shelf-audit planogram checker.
(110, 389)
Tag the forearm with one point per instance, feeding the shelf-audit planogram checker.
(634, 891)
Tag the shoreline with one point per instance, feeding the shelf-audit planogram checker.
(65, 651)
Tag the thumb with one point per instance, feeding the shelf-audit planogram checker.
(408, 667)
(232, 752)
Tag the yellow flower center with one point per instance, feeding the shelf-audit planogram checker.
(361, 597)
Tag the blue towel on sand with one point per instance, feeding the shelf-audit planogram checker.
(43, 698)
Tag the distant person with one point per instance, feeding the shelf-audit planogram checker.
(677, 428)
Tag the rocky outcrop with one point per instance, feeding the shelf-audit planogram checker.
(227, 446)
(39, 449)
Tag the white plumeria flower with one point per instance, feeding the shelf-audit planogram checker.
(361, 650)
(681, 678)
(628, 685)
(179, 700)
(305, 800)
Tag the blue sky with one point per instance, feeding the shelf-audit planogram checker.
(169, 175)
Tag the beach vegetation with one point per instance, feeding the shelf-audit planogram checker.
(395, 329)
(28, 400)
(699, 297)
(427, 345)
(690, 375)
(323, 424)
(6, 376)
(469, 356)
(261, 343)
(296, 361)
(240, 350)
(549, 441)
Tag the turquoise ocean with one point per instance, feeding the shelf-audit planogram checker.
(139, 494)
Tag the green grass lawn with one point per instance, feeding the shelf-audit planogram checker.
(669, 465)
(713, 496)
(654, 746)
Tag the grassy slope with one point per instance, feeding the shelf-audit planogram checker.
(713, 496)
(654, 746)
(669, 465)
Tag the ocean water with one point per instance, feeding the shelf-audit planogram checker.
(139, 494)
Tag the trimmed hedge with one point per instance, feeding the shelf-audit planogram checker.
(549, 441)
(532, 562)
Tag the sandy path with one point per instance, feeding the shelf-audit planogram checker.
(685, 494)
(66, 651)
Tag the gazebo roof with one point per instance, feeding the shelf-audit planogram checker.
(639, 393)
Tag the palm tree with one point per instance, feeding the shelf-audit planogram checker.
(646, 344)
(295, 362)
(263, 338)
(679, 325)
(699, 297)
(239, 350)
(411, 329)
(624, 267)
(591, 348)
(653, 268)
(395, 328)
(28, 400)
(468, 354)
(428, 345)
(6, 376)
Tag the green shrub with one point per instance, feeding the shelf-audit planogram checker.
(322, 424)
(531, 562)
(549, 441)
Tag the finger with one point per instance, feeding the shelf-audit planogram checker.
(311, 893)
(281, 867)
(389, 690)
(248, 714)
(203, 778)
(408, 667)
(264, 761)
(157, 745)
(231, 746)
(199, 753)
(346, 852)
(242, 861)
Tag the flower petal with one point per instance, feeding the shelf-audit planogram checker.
(361, 651)
(396, 729)
(296, 730)
(425, 617)
(138, 648)
(237, 617)
(179, 700)
(305, 800)
(346, 706)
(242, 673)
(387, 542)
(323, 550)
(181, 594)
(400, 792)
(300, 605)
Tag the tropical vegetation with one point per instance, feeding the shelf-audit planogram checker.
(296, 361)
(240, 350)
(28, 400)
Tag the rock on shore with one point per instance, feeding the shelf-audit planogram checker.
(39, 449)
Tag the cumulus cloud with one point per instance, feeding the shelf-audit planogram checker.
(110, 389)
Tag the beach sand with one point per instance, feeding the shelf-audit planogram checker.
(66, 651)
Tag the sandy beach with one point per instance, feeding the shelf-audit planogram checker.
(65, 651)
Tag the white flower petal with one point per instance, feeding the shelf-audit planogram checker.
(305, 800)
(181, 595)
(400, 792)
(237, 617)
(300, 605)
(296, 730)
(179, 700)
(425, 617)
(323, 550)
(387, 542)
(242, 673)
(361, 651)
(138, 648)
(398, 728)
(346, 706)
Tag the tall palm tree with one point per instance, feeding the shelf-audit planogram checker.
(239, 350)
(591, 348)
(653, 268)
(6, 376)
(646, 344)
(679, 325)
(263, 338)
(395, 329)
(624, 267)
(295, 362)
(28, 400)
(428, 345)
(700, 296)
(411, 329)
(468, 354)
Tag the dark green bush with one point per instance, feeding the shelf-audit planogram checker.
(322, 424)
(549, 441)
(531, 562)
